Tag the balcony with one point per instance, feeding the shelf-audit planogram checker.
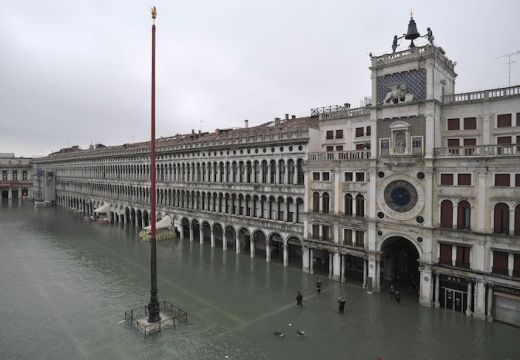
(509, 150)
(340, 155)
(482, 95)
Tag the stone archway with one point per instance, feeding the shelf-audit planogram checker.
(206, 233)
(218, 235)
(400, 264)
(195, 228)
(185, 228)
(230, 236)
(294, 252)
(276, 248)
(244, 238)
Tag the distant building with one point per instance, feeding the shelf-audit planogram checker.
(421, 187)
(16, 175)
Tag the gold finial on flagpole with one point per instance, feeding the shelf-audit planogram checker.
(153, 11)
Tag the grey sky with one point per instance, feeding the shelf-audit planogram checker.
(76, 72)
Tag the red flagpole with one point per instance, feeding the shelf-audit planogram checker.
(153, 306)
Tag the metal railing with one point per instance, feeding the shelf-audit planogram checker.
(482, 95)
(340, 155)
(136, 318)
(478, 151)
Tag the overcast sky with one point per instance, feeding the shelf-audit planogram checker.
(77, 72)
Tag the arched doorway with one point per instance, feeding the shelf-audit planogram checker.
(195, 227)
(400, 264)
(244, 238)
(218, 235)
(276, 248)
(294, 252)
(185, 224)
(206, 232)
(230, 237)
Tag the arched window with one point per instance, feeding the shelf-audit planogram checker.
(325, 204)
(501, 219)
(316, 202)
(517, 219)
(446, 214)
(360, 205)
(348, 204)
(464, 215)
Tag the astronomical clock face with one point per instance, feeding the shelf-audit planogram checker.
(401, 197)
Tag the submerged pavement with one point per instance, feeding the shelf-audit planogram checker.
(65, 284)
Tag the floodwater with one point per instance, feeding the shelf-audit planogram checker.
(65, 284)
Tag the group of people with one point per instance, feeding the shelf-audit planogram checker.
(341, 300)
(394, 293)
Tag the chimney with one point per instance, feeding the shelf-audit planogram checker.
(277, 121)
(246, 123)
(286, 116)
(347, 105)
(293, 116)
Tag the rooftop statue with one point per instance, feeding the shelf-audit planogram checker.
(395, 44)
(429, 36)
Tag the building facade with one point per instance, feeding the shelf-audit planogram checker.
(420, 188)
(16, 176)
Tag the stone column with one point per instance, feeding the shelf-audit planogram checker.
(481, 224)
(453, 255)
(305, 260)
(510, 262)
(437, 291)
(454, 215)
(490, 303)
(10, 194)
(252, 248)
(191, 233)
(311, 261)
(331, 264)
(428, 196)
(237, 245)
(469, 311)
(20, 197)
(426, 286)
(342, 268)
(212, 238)
(336, 267)
(479, 310)
(224, 240)
(511, 227)
(201, 234)
(365, 271)
(267, 251)
(285, 254)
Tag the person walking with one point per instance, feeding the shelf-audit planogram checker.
(392, 291)
(299, 299)
(341, 303)
(318, 286)
(397, 296)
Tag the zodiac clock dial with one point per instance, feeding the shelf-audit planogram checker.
(400, 196)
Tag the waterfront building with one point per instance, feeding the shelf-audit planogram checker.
(16, 176)
(420, 187)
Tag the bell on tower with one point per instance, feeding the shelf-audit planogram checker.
(412, 33)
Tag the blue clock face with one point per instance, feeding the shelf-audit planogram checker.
(400, 196)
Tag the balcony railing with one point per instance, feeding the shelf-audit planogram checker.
(348, 112)
(478, 151)
(340, 155)
(482, 95)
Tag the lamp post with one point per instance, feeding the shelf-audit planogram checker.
(153, 306)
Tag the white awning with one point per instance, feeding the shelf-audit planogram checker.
(164, 223)
(103, 209)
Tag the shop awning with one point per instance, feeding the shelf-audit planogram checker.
(164, 223)
(103, 209)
